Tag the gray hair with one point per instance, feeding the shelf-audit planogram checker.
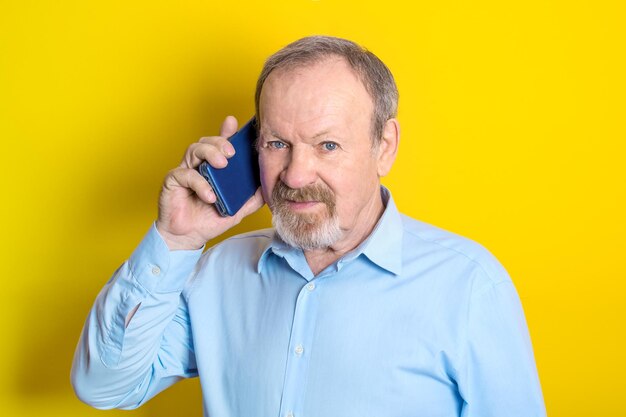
(373, 73)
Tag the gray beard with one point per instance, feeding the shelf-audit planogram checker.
(305, 233)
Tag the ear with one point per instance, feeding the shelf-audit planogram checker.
(388, 146)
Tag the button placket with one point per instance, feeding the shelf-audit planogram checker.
(302, 331)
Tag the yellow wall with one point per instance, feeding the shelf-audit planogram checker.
(513, 134)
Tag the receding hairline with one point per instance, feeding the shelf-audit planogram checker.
(369, 70)
(292, 67)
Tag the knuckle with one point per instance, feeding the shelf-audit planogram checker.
(172, 173)
(181, 173)
(207, 151)
(187, 158)
(170, 179)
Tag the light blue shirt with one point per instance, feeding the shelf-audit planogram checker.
(415, 322)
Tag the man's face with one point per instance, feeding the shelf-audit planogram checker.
(319, 173)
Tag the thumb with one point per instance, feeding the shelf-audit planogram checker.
(229, 127)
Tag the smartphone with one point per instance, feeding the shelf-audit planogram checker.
(238, 181)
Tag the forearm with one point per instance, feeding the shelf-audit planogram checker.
(122, 358)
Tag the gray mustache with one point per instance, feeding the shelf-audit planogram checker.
(317, 192)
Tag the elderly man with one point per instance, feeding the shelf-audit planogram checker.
(344, 308)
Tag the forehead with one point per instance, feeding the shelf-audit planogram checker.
(328, 88)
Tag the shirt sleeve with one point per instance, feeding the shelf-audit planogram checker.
(499, 378)
(120, 365)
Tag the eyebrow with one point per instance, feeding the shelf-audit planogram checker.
(277, 136)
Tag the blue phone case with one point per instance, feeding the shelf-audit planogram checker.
(239, 180)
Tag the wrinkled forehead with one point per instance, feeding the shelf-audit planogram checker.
(304, 101)
(331, 71)
(328, 87)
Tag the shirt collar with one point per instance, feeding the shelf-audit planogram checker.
(383, 247)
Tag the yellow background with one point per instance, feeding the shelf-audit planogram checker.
(513, 129)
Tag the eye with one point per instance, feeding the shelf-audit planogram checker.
(275, 144)
(330, 146)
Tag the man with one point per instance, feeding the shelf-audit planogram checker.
(346, 308)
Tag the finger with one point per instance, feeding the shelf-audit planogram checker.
(220, 143)
(192, 180)
(229, 127)
(213, 153)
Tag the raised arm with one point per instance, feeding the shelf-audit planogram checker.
(136, 340)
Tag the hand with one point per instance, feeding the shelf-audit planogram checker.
(187, 217)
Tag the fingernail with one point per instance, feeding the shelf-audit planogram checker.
(228, 149)
(222, 160)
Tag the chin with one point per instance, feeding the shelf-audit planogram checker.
(307, 234)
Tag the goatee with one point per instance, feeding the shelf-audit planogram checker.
(306, 231)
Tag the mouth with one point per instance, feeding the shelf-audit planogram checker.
(311, 200)
(301, 205)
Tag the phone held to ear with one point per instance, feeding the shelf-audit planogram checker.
(234, 184)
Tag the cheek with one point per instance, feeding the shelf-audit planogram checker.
(269, 177)
(353, 189)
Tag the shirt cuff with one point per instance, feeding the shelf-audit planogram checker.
(158, 269)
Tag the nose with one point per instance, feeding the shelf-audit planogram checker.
(300, 170)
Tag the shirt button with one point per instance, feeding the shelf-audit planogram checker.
(156, 270)
(310, 286)
(299, 350)
(290, 414)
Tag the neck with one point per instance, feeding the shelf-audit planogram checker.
(320, 259)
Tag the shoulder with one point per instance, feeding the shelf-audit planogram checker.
(235, 256)
(249, 245)
(423, 240)
(253, 238)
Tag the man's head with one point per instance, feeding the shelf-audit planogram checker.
(320, 167)
(373, 73)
